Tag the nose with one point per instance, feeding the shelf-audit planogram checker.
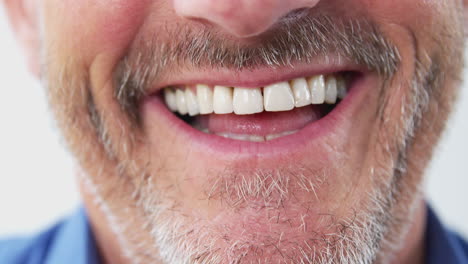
(241, 18)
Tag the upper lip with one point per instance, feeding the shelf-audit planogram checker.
(259, 77)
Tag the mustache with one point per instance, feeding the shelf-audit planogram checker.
(292, 41)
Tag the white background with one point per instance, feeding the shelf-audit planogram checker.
(36, 176)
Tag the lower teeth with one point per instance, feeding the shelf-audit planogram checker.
(252, 138)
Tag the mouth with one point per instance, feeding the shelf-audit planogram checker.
(258, 114)
(265, 113)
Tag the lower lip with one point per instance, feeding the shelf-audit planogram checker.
(313, 132)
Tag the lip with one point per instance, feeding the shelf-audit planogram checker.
(312, 135)
(259, 77)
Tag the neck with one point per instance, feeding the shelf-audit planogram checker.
(412, 248)
(106, 240)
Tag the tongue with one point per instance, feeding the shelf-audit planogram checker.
(262, 124)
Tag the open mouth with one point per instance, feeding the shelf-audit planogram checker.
(259, 114)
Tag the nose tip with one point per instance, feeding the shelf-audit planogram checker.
(241, 18)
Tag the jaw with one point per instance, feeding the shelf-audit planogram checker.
(329, 186)
(184, 201)
(279, 197)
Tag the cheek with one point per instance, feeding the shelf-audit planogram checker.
(91, 27)
(406, 12)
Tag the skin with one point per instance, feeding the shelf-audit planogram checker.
(85, 40)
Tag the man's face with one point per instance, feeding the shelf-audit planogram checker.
(293, 174)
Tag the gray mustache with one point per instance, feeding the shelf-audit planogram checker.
(293, 41)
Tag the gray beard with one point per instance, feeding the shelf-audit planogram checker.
(356, 239)
(372, 235)
(363, 238)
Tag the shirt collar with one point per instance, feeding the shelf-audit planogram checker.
(442, 246)
(74, 242)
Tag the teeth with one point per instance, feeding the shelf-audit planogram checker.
(282, 96)
(341, 87)
(317, 89)
(301, 92)
(278, 97)
(170, 98)
(254, 138)
(247, 101)
(192, 102)
(222, 100)
(274, 136)
(331, 90)
(205, 99)
(181, 102)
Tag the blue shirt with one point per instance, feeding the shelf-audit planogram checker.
(71, 242)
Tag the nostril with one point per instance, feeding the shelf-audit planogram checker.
(200, 20)
(297, 13)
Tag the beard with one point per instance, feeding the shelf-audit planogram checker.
(357, 238)
(152, 226)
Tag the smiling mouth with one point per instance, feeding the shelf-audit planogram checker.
(259, 114)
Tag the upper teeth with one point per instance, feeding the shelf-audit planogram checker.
(282, 96)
